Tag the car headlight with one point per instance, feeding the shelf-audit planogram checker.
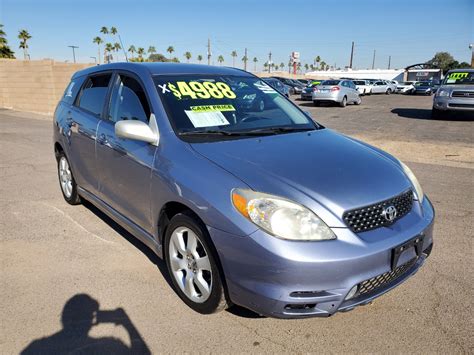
(280, 217)
(442, 92)
(418, 190)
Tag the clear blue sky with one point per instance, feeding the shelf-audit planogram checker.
(411, 31)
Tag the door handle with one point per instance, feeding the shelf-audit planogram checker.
(102, 139)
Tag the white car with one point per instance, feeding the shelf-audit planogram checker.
(363, 87)
(382, 87)
(406, 87)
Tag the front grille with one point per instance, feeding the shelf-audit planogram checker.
(371, 217)
(462, 105)
(374, 284)
(465, 94)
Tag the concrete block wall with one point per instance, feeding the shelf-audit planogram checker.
(36, 85)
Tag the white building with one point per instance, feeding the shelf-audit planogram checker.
(386, 74)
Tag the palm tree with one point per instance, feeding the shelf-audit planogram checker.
(255, 60)
(104, 30)
(317, 60)
(140, 53)
(24, 36)
(109, 47)
(323, 65)
(282, 65)
(113, 31)
(233, 54)
(132, 50)
(97, 40)
(245, 59)
(187, 56)
(199, 58)
(220, 59)
(170, 50)
(151, 50)
(5, 51)
(306, 67)
(117, 47)
(265, 65)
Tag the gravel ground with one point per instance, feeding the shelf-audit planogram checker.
(51, 251)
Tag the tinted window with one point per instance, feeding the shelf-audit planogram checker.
(72, 89)
(93, 93)
(331, 82)
(128, 101)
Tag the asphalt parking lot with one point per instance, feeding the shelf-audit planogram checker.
(51, 251)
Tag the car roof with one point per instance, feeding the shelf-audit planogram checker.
(163, 69)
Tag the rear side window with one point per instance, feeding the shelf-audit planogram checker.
(128, 101)
(72, 89)
(93, 93)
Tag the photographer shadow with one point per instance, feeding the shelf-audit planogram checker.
(80, 313)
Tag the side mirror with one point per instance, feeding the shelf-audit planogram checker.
(138, 130)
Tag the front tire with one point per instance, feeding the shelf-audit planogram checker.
(192, 264)
(66, 180)
(389, 91)
(358, 101)
(435, 113)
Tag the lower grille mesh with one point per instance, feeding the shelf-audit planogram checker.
(372, 285)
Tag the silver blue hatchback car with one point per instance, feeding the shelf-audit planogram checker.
(248, 204)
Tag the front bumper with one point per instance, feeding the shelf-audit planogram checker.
(445, 103)
(287, 279)
(306, 95)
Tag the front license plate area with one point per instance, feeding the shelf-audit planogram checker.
(416, 243)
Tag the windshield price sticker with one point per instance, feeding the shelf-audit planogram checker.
(206, 119)
(201, 90)
(456, 76)
(212, 108)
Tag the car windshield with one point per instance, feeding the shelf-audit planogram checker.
(210, 107)
(359, 82)
(406, 83)
(459, 78)
(421, 83)
(331, 82)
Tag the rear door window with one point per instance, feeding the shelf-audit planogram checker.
(93, 94)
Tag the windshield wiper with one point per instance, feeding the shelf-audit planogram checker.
(211, 133)
(253, 132)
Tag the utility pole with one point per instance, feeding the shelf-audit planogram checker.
(352, 55)
(471, 47)
(269, 60)
(209, 51)
(389, 60)
(373, 61)
(73, 52)
(245, 60)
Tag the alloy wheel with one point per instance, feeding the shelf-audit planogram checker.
(190, 265)
(65, 177)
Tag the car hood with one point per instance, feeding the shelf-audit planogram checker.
(335, 171)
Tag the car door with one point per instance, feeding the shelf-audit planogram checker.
(379, 87)
(353, 89)
(82, 120)
(124, 164)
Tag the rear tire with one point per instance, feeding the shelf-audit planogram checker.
(389, 91)
(67, 183)
(192, 264)
(343, 103)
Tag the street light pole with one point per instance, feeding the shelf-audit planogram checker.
(73, 52)
(95, 60)
(471, 47)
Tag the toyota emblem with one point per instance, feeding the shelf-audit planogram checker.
(390, 213)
